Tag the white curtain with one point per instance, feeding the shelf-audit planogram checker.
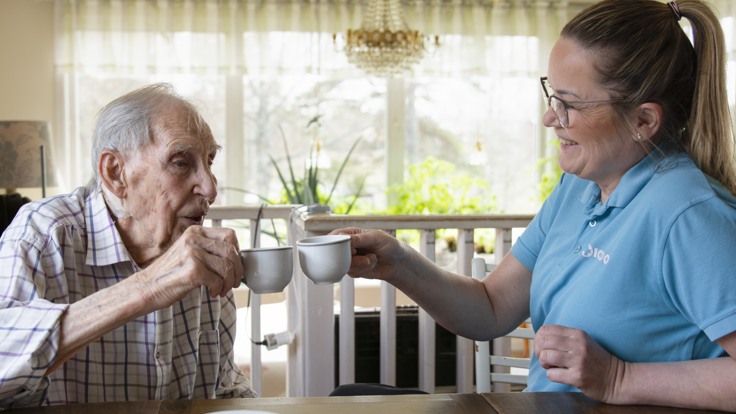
(220, 42)
(227, 36)
(213, 48)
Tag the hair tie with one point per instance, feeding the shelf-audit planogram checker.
(675, 10)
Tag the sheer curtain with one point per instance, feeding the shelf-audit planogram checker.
(228, 52)
(258, 67)
(231, 36)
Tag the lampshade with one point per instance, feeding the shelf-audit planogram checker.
(25, 155)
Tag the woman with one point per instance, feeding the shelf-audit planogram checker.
(627, 270)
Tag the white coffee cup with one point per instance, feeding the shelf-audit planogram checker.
(267, 269)
(325, 259)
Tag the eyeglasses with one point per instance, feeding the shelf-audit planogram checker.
(560, 106)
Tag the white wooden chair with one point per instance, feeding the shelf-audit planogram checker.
(493, 359)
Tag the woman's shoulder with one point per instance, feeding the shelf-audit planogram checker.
(680, 181)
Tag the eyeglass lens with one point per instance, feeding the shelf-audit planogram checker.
(558, 106)
(559, 109)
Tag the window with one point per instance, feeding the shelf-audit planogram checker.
(256, 71)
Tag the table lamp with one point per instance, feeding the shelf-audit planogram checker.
(25, 156)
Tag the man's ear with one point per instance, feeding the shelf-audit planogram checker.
(111, 172)
(648, 119)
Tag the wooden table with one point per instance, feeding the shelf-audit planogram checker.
(498, 403)
(395, 404)
(569, 403)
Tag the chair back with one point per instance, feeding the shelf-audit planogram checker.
(497, 368)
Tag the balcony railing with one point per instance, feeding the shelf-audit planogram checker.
(311, 308)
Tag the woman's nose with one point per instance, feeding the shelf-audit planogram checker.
(549, 119)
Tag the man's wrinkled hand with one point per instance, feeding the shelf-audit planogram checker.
(202, 256)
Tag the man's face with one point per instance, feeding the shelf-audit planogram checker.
(169, 183)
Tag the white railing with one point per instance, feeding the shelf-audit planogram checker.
(253, 215)
(311, 308)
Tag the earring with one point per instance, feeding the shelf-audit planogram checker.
(638, 137)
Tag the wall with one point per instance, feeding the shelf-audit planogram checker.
(27, 63)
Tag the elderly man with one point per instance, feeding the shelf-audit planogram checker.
(116, 292)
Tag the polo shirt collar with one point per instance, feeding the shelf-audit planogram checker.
(630, 185)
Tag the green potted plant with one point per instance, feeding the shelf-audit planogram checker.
(307, 190)
(436, 187)
(551, 172)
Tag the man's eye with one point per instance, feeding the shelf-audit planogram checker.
(180, 163)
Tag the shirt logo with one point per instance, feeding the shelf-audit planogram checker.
(596, 253)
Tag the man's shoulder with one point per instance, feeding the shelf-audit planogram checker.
(43, 216)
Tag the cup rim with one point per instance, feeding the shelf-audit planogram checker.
(263, 249)
(323, 240)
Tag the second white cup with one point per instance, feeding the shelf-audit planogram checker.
(325, 259)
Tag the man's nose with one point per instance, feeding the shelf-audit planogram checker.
(207, 185)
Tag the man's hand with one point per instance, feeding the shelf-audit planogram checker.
(202, 256)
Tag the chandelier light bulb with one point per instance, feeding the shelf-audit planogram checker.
(384, 45)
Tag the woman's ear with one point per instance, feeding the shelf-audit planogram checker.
(110, 166)
(648, 120)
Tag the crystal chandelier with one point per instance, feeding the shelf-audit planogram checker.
(384, 45)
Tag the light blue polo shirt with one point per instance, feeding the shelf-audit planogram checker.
(650, 275)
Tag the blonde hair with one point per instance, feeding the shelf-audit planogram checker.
(645, 56)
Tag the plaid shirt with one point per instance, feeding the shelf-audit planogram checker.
(62, 249)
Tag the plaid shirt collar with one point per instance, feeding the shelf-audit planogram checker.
(104, 243)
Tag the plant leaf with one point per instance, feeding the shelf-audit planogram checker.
(342, 167)
(310, 175)
(291, 197)
(294, 183)
(357, 194)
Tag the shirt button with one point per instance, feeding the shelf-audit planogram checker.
(592, 223)
(577, 249)
(158, 354)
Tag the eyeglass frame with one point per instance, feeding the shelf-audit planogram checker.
(566, 105)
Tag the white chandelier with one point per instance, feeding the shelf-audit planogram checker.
(384, 45)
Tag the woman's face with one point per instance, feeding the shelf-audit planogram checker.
(596, 145)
